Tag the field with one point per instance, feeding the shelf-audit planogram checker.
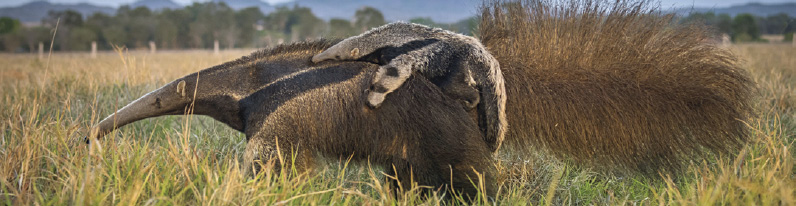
(48, 104)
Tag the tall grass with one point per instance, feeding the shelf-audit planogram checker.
(195, 160)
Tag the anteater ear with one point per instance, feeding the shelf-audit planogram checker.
(181, 88)
(355, 52)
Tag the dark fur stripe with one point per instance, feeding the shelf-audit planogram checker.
(274, 95)
(378, 88)
(392, 71)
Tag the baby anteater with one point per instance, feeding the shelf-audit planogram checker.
(457, 63)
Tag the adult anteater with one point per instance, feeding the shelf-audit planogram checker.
(285, 103)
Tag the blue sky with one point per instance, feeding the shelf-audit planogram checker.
(664, 3)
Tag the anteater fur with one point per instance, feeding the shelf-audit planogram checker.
(287, 105)
(615, 85)
(326, 117)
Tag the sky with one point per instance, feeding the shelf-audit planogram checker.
(664, 3)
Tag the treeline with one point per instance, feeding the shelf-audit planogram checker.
(193, 27)
(199, 25)
(746, 27)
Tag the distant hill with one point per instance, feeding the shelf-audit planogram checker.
(156, 4)
(35, 11)
(444, 11)
(756, 9)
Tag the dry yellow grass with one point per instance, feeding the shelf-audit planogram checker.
(177, 160)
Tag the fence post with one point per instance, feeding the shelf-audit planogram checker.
(152, 47)
(215, 47)
(725, 40)
(41, 50)
(93, 49)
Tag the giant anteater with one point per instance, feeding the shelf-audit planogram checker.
(287, 105)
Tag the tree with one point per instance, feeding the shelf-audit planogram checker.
(341, 28)
(744, 28)
(140, 27)
(305, 25)
(166, 33)
(96, 23)
(278, 20)
(34, 35)
(8, 25)
(195, 26)
(299, 23)
(246, 20)
(180, 21)
(722, 23)
(80, 38)
(775, 24)
(65, 20)
(223, 24)
(367, 18)
(115, 35)
(10, 35)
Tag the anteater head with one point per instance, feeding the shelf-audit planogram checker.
(192, 94)
(216, 91)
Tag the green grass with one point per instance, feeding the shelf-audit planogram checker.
(176, 160)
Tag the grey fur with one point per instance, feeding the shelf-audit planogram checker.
(457, 63)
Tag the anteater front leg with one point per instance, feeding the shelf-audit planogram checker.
(276, 154)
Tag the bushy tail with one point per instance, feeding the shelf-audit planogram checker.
(615, 84)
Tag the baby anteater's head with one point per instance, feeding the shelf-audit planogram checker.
(389, 35)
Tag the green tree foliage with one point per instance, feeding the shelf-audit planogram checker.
(341, 28)
(114, 35)
(178, 21)
(99, 23)
(721, 23)
(367, 18)
(297, 23)
(247, 21)
(8, 25)
(775, 24)
(10, 35)
(66, 21)
(32, 36)
(744, 28)
(68, 18)
(307, 25)
(166, 33)
(139, 25)
(80, 38)
(194, 26)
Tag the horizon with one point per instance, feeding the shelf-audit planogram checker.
(667, 4)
